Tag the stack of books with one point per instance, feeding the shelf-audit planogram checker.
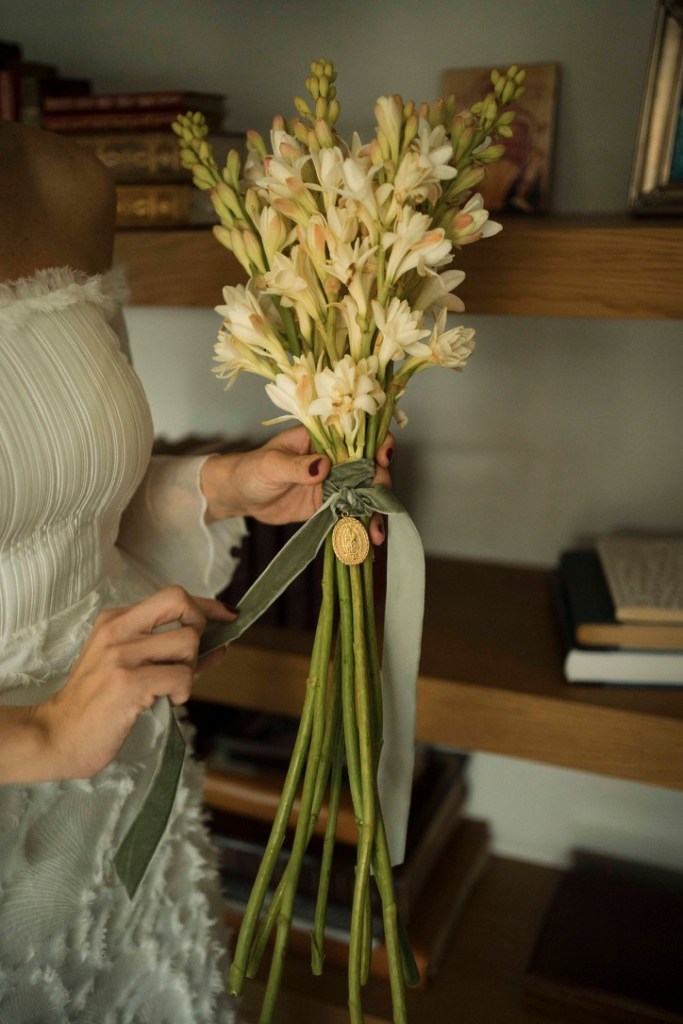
(620, 606)
(25, 84)
(131, 134)
(247, 755)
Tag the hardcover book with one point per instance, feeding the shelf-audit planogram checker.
(613, 665)
(156, 205)
(122, 120)
(592, 609)
(136, 157)
(645, 577)
(162, 100)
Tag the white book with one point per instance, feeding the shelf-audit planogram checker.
(645, 668)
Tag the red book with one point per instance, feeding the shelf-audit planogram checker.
(132, 101)
(123, 120)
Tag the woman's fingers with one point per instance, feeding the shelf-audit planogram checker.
(179, 644)
(172, 604)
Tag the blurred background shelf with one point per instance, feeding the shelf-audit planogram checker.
(567, 266)
(490, 679)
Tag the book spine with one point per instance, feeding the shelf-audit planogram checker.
(137, 156)
(125, 120)
(148, 156)
(140, 206)
(9, 98)
(126, 101)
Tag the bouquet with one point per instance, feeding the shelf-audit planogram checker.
(348, 249)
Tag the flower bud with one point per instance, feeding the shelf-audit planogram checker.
(203, 178)
(333, 111)
(256, 144)
(222, 235)
(229, 199)
(302, 108)
(323, 133)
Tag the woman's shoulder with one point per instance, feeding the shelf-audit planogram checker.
(62, 198)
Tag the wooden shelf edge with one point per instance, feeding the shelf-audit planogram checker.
(601, 739)
(566, 266)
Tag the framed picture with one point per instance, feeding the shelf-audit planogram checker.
(657, 181)
(521, 180)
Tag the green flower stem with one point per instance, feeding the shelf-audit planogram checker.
(290, 327)
(361, 897)
(373, 656)
(329, 335)
(252, 913)
(318, 936)
(319, 677)
(399, 955)
(348, 694)
(331, 741)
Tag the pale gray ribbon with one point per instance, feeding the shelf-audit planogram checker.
(348, 490)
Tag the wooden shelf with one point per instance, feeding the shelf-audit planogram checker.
(542, 266)
(481, 978)
(490, 679)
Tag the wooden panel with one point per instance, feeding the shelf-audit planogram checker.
(490, 679)
(176, 268)
(555, 266)
(577, 267)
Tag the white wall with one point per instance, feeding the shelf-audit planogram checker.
(559, 428)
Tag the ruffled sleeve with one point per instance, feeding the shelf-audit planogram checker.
(163, 529)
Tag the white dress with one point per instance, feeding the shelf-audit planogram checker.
(75, 439)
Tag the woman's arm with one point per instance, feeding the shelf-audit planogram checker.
(123, 667)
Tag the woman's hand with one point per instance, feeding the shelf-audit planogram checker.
(281, 482)
(123, 667)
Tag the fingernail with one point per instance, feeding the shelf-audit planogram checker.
(390, 454)
(314, 467)
(230, 607)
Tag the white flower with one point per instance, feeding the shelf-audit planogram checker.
(389, 115)
(294, 390)
(294, 280)
(435, 292)
(233, 356)
(346, 394)
(415, 245)
(400, 331)
(248, 323)
(424, 165)
(472, 223)
(273, 231)
(354, 329)
(451, 348)
(329, 168)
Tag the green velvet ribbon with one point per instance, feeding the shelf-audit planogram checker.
(348, 490)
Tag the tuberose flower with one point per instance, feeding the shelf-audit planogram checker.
(345, 394)
(415, 245)
(400, 328)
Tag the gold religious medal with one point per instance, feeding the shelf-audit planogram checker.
(350, 541)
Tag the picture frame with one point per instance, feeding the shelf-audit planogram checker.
(521, 181)
(657, 178)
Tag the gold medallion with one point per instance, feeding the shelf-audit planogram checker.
(350, 541)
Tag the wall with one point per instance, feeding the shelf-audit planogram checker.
(559, 428)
